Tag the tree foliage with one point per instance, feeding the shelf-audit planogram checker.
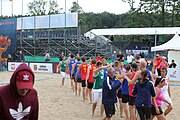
(76, 8)
(53, 8)
(37, 7)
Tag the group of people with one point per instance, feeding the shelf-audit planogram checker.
(141, 93)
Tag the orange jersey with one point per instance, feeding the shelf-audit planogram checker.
(84, 67)
(91, 78)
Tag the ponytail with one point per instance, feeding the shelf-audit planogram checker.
(143, 77)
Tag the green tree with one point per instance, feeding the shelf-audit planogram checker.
(53, 8)
(161, 7)
(131, 4)
(37, 7)
(76, 8)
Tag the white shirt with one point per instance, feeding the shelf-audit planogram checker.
(130, 58)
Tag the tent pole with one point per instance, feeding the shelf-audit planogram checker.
(155, 41)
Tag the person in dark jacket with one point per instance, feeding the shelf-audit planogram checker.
(19, 100)
(110, 85)
(144, 91)
(20, 57)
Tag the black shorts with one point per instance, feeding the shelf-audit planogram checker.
(144, 112)
(83, 83)
(109, 110)
(153, 110)
(119, 94)
(79, 80)
(131, 100)
(90, 85)
(125, 98)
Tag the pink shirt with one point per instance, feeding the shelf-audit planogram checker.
(159, 98)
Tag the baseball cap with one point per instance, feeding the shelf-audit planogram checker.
(24, 80)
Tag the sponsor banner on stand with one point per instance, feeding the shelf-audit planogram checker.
(13, 65)
(174, 74)
(42, 67)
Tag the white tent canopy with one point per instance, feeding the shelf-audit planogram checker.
(172, 44)
(135, 31)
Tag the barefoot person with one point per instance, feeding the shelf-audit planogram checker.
(156, 109)
(166, 92)
(144, 90)
(98, 84)
(83, 70)
(62, 70)
(70, 62)
(90, 78)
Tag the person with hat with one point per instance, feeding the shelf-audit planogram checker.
(18, 99)
(158, 61)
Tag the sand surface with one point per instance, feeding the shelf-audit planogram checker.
(59, 103)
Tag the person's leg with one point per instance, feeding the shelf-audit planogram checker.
(168, 110)
(87, 92)
(90, 95)
(95, 99)
(132, 112)
(93, 108)
(132, 108)
(83, 90)
(75, 87)
(140, 112)
(121, 107)
(101, 111)
(63, 81)
(79, 89)
(161, 117)
(147, 111)
(125, 99)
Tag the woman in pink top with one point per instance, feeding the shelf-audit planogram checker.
(164, 63)
(156, 109)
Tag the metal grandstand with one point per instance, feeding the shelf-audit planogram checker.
(36, 42)
(37, 34)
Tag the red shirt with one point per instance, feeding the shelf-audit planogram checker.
(91, 78)
(158, 62)
(84, 67)
(131, 86)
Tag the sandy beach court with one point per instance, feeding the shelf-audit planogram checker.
(59, 103)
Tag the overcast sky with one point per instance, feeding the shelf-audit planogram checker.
(96, 6)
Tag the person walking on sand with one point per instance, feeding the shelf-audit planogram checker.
(90, 78)
(110, 86)
(98, 84)
(62, 70)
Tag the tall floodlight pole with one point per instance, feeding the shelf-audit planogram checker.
(49, 25)
(11, 7)
(65, 29)
(1, 8)
(21, 24)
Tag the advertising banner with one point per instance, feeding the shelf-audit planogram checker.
(12, 66)
(174, 74)
(7, 36)
(41, 67)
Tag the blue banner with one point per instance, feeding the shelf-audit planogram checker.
(8, 28)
